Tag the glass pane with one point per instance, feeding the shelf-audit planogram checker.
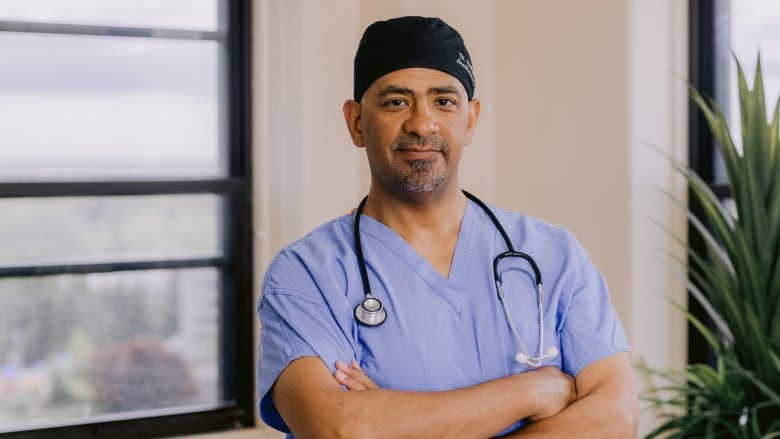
(76, 107)
(185, 14)
(96, 229)
(730, 206)
(76, 347)
(754, 28)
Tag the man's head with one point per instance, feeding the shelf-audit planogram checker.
(413, 109)
(407, 42)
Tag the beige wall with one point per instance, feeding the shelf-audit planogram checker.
(572, 94)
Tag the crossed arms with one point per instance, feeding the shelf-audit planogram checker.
(600, 403)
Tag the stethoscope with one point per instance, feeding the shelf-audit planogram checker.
(371, 312)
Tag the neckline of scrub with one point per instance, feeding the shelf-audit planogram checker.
(389, 238)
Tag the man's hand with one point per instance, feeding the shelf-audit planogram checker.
(353, 377)
(606, 406)
(552, 390)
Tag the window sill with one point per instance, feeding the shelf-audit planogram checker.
(261, 432)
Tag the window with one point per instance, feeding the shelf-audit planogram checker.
(753, 28)
(126, 303)
(720, 30)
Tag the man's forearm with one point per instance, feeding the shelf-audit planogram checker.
(590, 417)
(479, 411)
(317, 408)
(607, 407)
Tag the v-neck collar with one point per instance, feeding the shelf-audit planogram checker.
(448, 287)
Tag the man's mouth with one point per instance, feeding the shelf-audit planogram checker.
(421, 150)
(418, 153)
(422, 146)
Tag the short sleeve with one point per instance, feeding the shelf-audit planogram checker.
(591, 329)
(294, 325)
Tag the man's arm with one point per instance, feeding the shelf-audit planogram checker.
(606, 406)
(314, 405)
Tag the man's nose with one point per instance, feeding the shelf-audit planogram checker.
(422, 120)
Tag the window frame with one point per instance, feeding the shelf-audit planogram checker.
(236, 299)
(709, 58)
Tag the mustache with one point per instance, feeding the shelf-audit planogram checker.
(427, 141)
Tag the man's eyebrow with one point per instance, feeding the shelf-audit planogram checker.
(405, 91)
(396, 90)
(442, 90)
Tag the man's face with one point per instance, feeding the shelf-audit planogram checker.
(414, 124)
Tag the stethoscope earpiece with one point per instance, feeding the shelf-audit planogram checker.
(522, 358)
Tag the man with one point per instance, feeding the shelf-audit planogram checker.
(387, 322)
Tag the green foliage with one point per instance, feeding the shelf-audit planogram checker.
(71, 383)
(737, 280)
(44, 311)
(53, 327)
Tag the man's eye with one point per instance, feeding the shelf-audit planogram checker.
(398, 102)
(444, 102)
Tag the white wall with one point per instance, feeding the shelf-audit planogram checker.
(572, 94)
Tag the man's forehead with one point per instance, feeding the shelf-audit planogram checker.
(418, 80)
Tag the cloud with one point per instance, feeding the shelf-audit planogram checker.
(180, 14)
(139, 129)
(59, 63)
(109, 106)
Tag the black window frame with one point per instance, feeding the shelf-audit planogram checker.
(709, 57)
(236, 318)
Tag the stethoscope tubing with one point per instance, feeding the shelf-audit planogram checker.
(370, 312)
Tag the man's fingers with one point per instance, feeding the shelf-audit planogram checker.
(353, 377)
(347, 381)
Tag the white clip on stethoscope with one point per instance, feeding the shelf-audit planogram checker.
(370, 311)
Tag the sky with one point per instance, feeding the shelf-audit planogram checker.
(72, 105)
(187, 14)
(754, 29)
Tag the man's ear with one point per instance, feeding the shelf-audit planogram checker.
(473, 118)
(352, 118)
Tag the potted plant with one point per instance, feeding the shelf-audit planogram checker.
(736, 278)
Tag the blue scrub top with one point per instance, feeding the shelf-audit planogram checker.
(440, 333)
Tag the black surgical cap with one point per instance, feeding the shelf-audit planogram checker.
(408, 42)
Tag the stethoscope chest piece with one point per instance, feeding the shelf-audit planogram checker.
(370, 312)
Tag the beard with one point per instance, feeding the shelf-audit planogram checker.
(421, 175)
